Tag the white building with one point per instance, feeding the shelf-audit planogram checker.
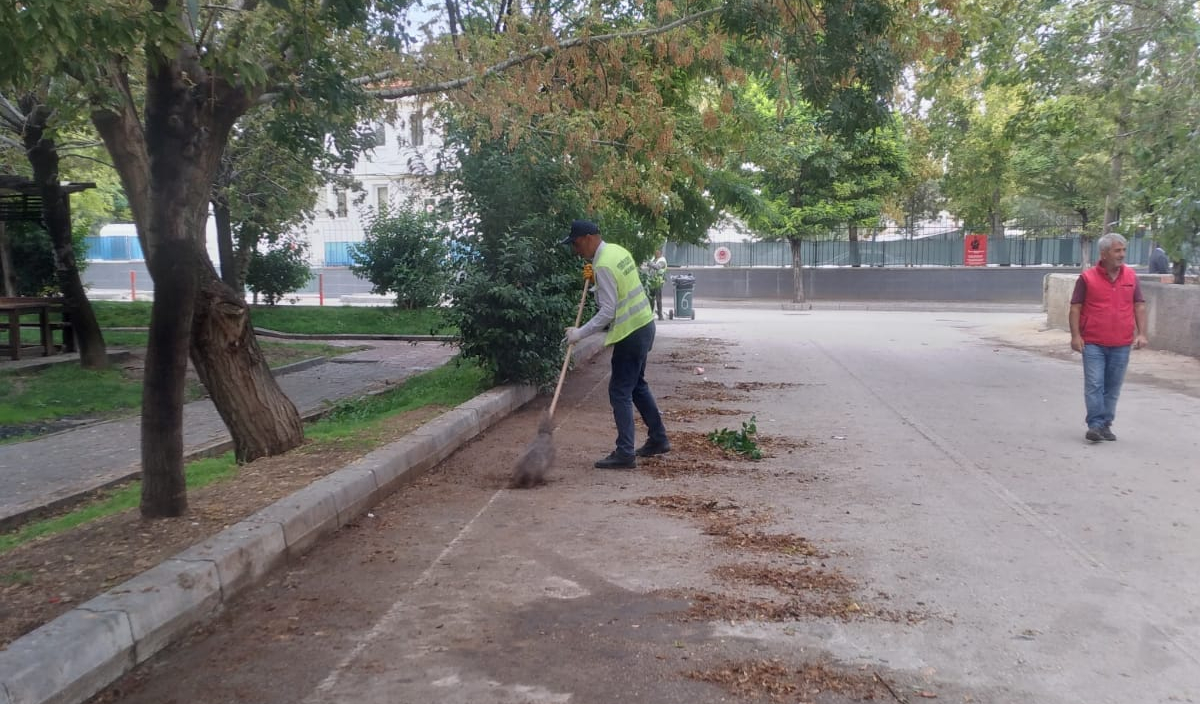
(396, 172)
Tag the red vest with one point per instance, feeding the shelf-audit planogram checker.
(1107, 314)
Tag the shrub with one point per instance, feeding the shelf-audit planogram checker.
(405, 253)
(279, 271)
(512, 306)
(33, 259)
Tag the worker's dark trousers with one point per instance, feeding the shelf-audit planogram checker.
(628, 389)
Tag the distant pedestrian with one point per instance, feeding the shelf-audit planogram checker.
(1159, 263)
(628, 323)
(1108, 316)
(656, 276)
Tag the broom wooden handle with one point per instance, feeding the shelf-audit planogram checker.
(567, 358)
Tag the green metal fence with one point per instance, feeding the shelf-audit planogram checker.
(939, 250)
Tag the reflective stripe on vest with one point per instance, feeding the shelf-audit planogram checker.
(633, 307)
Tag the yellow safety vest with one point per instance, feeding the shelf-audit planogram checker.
(633, 307)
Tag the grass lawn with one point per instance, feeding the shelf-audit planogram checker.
(307, 320)
(350, 423)
(67, 390)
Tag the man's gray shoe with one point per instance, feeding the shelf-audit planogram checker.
(1107, 433)
(615, 461)
(651, 449)
(1094, 435)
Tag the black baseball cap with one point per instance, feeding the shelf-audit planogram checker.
(580, 228)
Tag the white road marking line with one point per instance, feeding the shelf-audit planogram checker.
(388, 620)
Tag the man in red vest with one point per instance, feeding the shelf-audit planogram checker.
(1108, 315)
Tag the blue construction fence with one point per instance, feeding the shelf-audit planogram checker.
(113, 249)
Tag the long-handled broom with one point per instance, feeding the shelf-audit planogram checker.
(537, 458)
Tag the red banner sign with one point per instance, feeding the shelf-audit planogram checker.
(975, 250)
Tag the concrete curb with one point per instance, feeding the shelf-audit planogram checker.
(265, 332)
(79, 653)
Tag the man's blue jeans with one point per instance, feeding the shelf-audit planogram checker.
(628, 389)
(1103, 374)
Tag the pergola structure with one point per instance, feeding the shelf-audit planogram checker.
(21, 198)
(21, 201)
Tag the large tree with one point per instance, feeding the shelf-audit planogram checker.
(169, 79)
(809, 176)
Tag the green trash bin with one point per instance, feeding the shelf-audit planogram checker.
(684, 285)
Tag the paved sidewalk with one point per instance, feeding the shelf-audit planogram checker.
(56, 468)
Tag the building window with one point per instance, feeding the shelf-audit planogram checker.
(339, 202)
(381, 197)
(416, 128)
(380, 134)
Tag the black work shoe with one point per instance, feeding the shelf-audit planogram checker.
(651, 449)
(1094, 435)
(1107, 433)
(615, 461)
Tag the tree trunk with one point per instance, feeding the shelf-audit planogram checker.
(855, 255)
(89, 340)
(797, 270)
(261, 419)
(56, 216)
(998, 247)
(8, 275)
(1179, 271)
(188, 116)
(1085, 239)
(151, 163)
(164, 488)
(229, 267)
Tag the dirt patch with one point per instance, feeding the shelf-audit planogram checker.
(776, 681)
(666, 467)
(806, 591)
(787, 581)
(45, 578)
(689, 415)
(781, 543)
(759, 385)
(691, 506)
(709, 391)
(711, 607)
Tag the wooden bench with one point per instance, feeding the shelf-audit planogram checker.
(51, 316)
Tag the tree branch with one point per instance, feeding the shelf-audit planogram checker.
(10, 114)
(11, 143)
(546, 50)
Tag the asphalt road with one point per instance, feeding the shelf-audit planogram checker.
(990, 553)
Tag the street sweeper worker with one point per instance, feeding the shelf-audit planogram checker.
(627, 322)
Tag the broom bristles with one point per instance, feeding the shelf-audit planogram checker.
(536, 460)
